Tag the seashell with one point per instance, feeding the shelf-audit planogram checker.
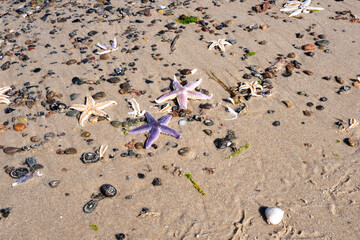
(90, 206)
(30, 161)
(90, 157)
(274, 215)
(108, 190)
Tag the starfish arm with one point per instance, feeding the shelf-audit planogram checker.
(84, 116)
(113, 45)
(244, 86)
(143, 129)
(182, 100)
(197, 95)
(166, 97)
(221, 46)
(78, 107)
(5, 100)
(211, 46)
(103, 46)
(288, 9)
(292, 3)
(306, 3)
(212, 41)
(193, 85)
(315, 8)
(224, 42)
(98, 112)
(169, 131)
(90, 101)
(150, 119)
(153, 136)
(297, 12)
(103, 105)
(103, 52)
(165, 119)
(176, 84)
(3, 90)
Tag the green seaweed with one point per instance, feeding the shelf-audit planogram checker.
(336, 155)
(243, 148)
(189, 176)
(94, 227)
(126, 132)
(338, 141)
(187, 20)
(251, 54)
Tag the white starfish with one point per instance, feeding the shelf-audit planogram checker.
(299, 7)
(91, 108)
(252, 86)
(3, 97)
(107, 49)
(221, 43)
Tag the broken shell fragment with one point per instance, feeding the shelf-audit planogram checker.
(274, 215)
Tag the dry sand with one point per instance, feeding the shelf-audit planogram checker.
(316, 185)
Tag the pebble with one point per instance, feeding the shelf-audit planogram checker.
(156, 182)
(49, 136)
(207, 132)
(319, 107)
(19, 172)
(208, 122)
(99, 95)
(116, 123)
(90, 157)
(30, 161)
(276, 123)
(307, 113)
(288, 103)
(120, 236)
(19, 127)
(339, 80)
(350, 142)
(54, 183)
(308, 47)
(291, 55)
(307, 72)
(90, 206)
(11, 150)
(172, 144)
(141, 175)
(221, 143)
(114, 80)
(323, 99)
(108, 190)
(71, 113)
(182, 122)
(5, 66)
(185, 71)
(70, 151)
(71, 62)
(104, 57)
(85, 134)
(139, 145)
(184, 151)
(322, 42)
(309, 104)
(205, 106)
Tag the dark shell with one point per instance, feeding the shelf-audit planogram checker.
(108, 190)
(19, 172)
(90, 157)
(30, 161)
(90, 206)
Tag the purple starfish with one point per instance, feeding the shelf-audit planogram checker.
(155, 127)
(182, 93)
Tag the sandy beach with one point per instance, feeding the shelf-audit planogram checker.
(298, 123)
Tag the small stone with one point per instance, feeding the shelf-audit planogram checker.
(205, 106)
(350, 142)
(322, 43)
(85, 134)
(90, 206)
(288, 103)
(309, 104)
(116, 124)
(208, 122)
(54, 183)
(49, 136)
(339, 80)
(71, 62)
(184, 151)
(307, 113)
(291, 55)
(308, 47)
(323, 99)
(114, 80)
(307, 72)
(310, 54)
(270, 111)
(71, 113)
(207, 132)
(276, 123)
(99, 95)
(141, 175)
(319, 107)
(30, 161)
(185, 71)
(120, 236)
(156, 182)
(5, 66)
(11, 150)
(182, 122)
(172, 144)
(92, 33)
(104, 57)
(70, 151)
(221, 143)
(19, 127)
(108, 190)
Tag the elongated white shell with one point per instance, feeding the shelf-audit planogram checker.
(274, 215)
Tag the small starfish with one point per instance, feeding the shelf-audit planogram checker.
(91, 108)
(252, 86)
(155, 127)
(218, 43)
(107, 49)
(299, 7)
(3, 97)
(135, 105)
(182, 93)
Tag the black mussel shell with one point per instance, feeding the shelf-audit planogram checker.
(19, 172)
(90, 206)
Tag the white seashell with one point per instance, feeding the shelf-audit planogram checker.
(274, 215)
